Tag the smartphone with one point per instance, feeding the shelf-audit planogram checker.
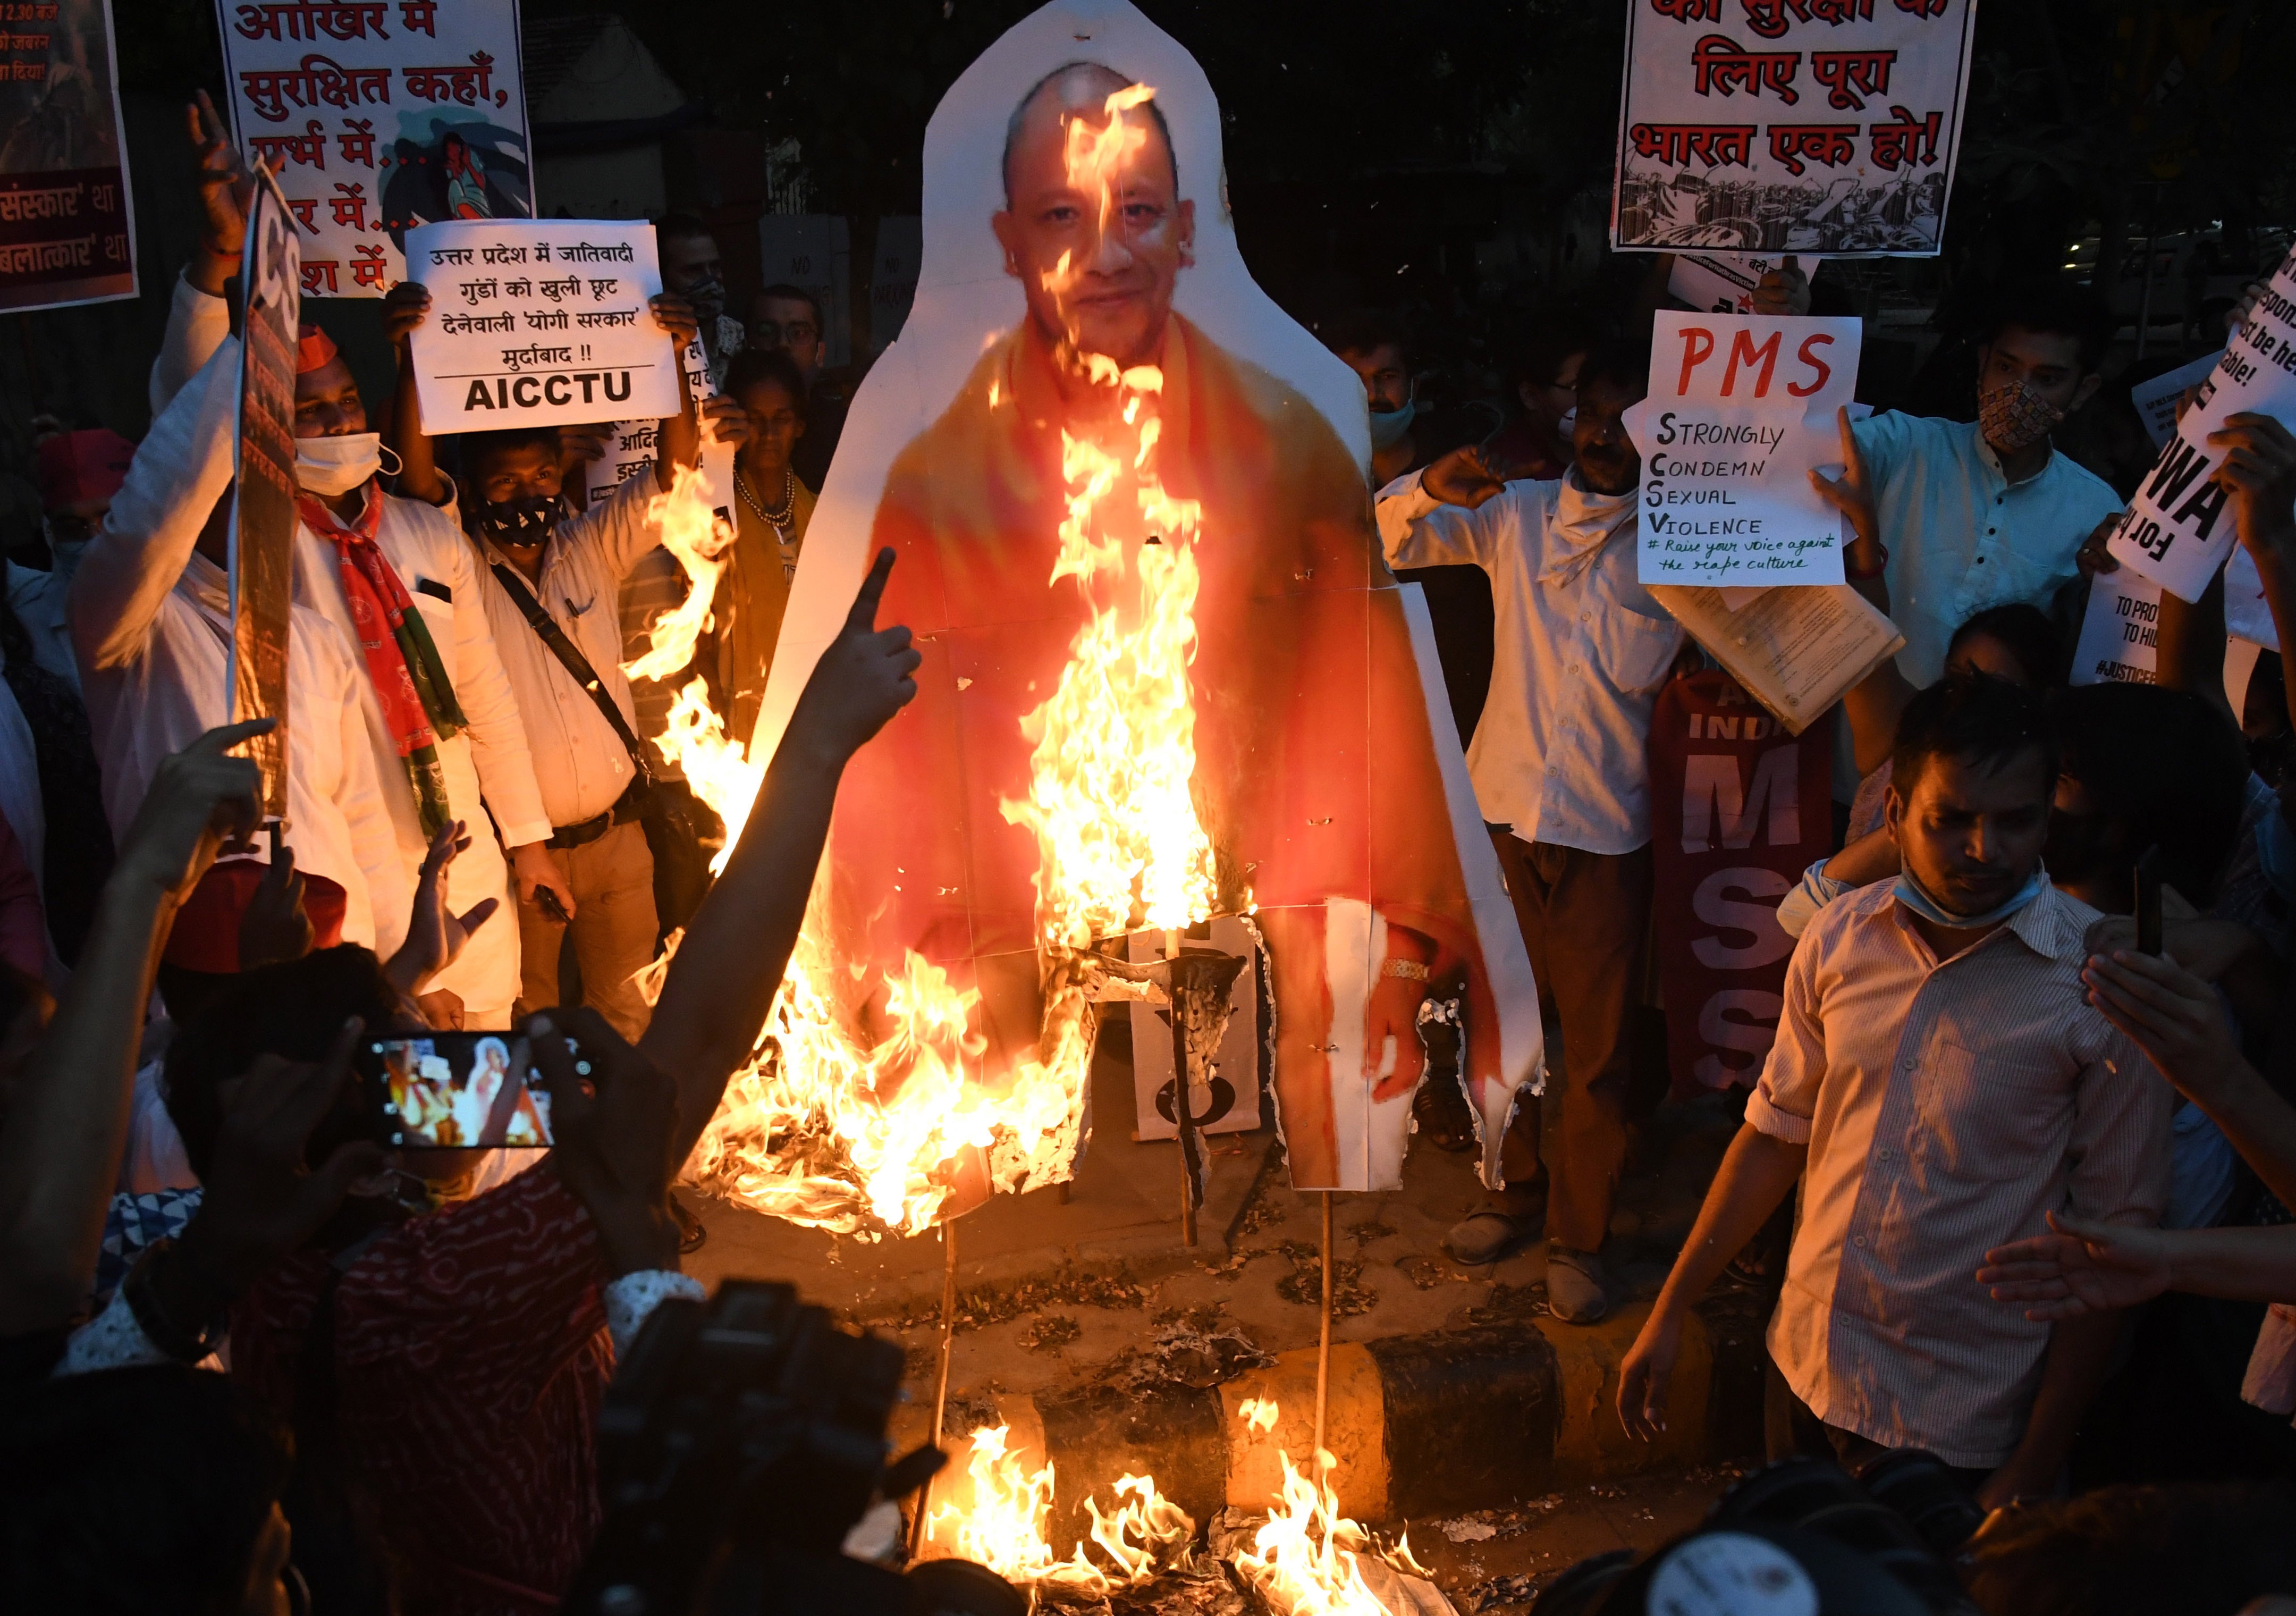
(2148, 901)
(550, 906)
(455, 1091)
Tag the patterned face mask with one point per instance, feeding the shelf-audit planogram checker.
(2013, 416)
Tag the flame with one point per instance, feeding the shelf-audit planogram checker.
(1004, 1527)
(1257, 1413)
(1307, 1560)
(859, 1130)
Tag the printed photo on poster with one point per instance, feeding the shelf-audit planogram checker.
(380, 116)
(262, 560)
(1072, 771)
(540, 324)
(1826, 130)
(67, 229)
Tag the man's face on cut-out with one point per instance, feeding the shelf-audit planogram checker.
(1098, 254)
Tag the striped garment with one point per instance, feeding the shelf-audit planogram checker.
(470, 1354)
(1948, 1106)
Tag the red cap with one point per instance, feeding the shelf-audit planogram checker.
(313, 348)
(89, 464)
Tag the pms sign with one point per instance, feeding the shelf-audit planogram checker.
(1739, 808)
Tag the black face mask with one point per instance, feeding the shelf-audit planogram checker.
(525, 521)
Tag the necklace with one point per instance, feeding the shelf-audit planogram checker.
(779, 522)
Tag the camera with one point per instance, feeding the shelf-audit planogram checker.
(740, 1442)
(1799, 1535)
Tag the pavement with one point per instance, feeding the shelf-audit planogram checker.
(1109, 1348)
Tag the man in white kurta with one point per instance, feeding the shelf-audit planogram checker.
(150, 626)
(486, 765)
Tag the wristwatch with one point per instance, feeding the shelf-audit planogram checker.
(1409, 970)
(188, 1346)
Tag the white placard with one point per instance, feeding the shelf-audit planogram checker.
(2119, 637)
(1824, 126)
(636, 443)
(378, 115)
(1740, 408)
(1719, 283)
(2119, 631)
(2156, 400)
(538, 323)
(2179, 526)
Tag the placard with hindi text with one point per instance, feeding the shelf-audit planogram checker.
(378, 116)
(1821, 127)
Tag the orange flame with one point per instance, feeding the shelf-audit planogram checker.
(1307, 1559)
(1004, 1529)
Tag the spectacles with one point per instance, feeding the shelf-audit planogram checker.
(793, 330)
(68, 529)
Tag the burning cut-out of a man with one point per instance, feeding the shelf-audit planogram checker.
(1123, 546)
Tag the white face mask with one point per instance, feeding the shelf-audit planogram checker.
(335, 466)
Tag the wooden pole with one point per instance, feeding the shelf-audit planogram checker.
(1324, 1345)
(1182, 1124)
(941, 1379)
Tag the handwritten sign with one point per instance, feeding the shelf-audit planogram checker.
(2179, 527)
(1741, 407)
(66, 233)
(1812, 127)
(380, 116)
(538, 323)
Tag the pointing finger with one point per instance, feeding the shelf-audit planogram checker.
(863, 618)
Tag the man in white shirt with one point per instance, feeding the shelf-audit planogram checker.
(150, 625)
(1939, 1087)
(1987, 512)
(1560, 768)
(572, 568)
(477, 767)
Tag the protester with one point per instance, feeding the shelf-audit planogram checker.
(1936, 1087)
(455, 1410)
(1377, 348)
(1560, 768)
(773, 506)
(64, 1103)
(547, 574)
(692, 269)
(1535, 445)
(789, 319)
(447, 745)
(152, 625)
(2134, 1551)
(1988, 512)
(142, 1490)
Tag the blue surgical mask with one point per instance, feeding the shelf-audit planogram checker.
(1388, 426)
(1909, 892)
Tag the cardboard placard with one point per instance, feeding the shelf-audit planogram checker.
(261, 566)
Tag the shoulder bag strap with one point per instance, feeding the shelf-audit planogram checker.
(574, 663)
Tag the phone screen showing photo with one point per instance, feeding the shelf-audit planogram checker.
(458, 1090)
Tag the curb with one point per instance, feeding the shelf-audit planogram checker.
(1422, 1426)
